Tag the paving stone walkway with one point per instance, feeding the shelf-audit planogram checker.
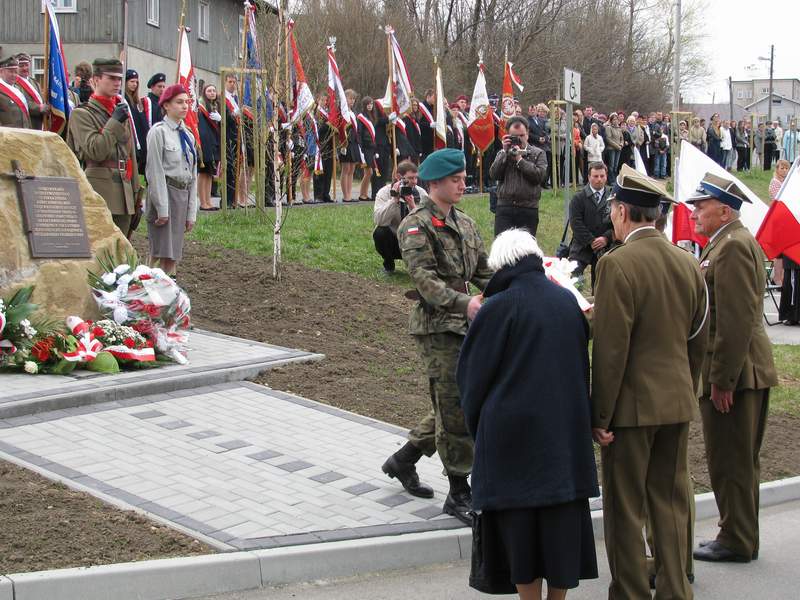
(213, 358)
(238, 464)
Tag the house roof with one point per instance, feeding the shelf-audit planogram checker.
(774, 94)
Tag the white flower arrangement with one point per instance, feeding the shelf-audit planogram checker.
(27, 329)
(116, 334)
(31, 367)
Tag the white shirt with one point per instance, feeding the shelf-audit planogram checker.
(725, 134)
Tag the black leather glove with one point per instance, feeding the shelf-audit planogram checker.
(121, 112)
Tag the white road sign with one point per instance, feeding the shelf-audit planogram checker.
(572, 86)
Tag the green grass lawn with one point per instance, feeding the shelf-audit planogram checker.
(339, 238)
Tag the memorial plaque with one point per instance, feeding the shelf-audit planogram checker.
(54, 220)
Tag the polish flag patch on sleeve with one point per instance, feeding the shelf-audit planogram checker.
(412, 230)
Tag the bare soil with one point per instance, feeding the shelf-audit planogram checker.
(371, 368)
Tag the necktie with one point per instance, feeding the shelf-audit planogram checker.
(597, 197)
(187, 147)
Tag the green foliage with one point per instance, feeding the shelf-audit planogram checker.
(108, 262)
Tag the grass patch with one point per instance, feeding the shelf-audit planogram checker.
(786, 397)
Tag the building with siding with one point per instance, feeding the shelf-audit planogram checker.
(95, 28)
(746, 92)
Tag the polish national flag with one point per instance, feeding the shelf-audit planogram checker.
(780, 231)
(187, 79)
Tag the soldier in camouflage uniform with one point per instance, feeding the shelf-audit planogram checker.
(443, 253)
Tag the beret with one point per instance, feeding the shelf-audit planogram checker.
(462, 97)
(108, 65)
(441, 164)
(170, 92)
(10, 62)
(157, 78)
(131, 74)
(719, 188)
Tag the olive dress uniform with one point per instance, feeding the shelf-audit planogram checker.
(443, 254)
(107, 151)
(739, 358)
(34, 108)
(13, 104)
(645, 373)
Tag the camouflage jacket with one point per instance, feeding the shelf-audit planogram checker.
(442, 253)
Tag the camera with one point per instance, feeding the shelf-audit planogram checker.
(515, 140)
(405, 188)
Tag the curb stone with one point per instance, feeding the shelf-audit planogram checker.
(6, 589)
(183, 578)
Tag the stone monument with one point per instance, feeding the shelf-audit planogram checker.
(51, 224)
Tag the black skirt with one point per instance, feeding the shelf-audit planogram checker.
(789, 309)
(555, 543)
(353, 153)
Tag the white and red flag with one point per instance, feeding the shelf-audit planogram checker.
(302, 98)
(480, 123)
(339, 114)
(507, 105)
(780, 231)
(187, 79)
(440, 120)
(397, 101)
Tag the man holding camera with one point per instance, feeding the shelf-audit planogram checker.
(590, 221)
(392, 203)
(520, 170)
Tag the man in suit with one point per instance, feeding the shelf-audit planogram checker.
(101, 136)
(13, 105)
(37, 106)
(738, 369)
(645, 371)
(539, 136)
(590, 221)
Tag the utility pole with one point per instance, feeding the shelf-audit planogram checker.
(676, 66)
(730, 94)
(771, 63)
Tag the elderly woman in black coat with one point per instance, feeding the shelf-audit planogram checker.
(523, 375)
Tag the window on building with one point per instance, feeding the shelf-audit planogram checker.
(37, 69)
(203, 20)
(241, 34)
(765, 90)
(776, 99)
(740, 95)
(64, 6)
(153, 11)
(749, 94)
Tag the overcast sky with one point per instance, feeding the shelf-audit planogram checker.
(738, 32)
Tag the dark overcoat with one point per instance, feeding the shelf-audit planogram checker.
(523, 376)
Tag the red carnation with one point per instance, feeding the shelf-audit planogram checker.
(98, 332)
(129, 342)
(41, 349)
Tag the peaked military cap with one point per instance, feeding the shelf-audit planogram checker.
(157, 78)
(23, 57)
(631, 187)
(441, 164)
(109, 66)
(10, 62)
(719, 188)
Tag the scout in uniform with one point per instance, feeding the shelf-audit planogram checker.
(13, 105)
(101, 136)
(738, 369)
(171, 180)
(150, 103)
(443, 253)
(37, 106)
(645, 374)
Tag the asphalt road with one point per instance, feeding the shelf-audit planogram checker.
(772, 577)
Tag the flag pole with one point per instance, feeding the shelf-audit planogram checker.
(241, 143)
(391, 96)
(46, 86)
(180, 39)
(288, 158)
(480, 170)
(333, 130)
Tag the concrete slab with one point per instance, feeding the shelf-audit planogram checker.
(214, 359)
(6, 589)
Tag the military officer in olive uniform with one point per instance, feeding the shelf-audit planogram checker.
(37, 106)
(645, 373)
(101, 136)
(443, 253)
(738, 369)
(13, 105)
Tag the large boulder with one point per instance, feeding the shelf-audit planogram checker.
(61, 284)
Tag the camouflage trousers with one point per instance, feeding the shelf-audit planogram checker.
(443, 429)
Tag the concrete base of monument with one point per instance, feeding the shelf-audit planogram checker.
(213, 359)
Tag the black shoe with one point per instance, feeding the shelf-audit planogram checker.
(704, 543)
(459, 505)
(406, 474)
(716, 552)
(388, 266)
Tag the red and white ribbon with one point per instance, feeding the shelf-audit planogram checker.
(88, 347)
(6, 347)
(125, 353)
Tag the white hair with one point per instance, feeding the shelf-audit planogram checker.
(511, 246)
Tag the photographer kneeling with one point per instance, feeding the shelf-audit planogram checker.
(392, 203)
(520, 170)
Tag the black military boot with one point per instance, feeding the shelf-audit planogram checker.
(459, 500)
(401, 465)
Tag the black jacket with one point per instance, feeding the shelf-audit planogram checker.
(523, 376)
(426, 131)
(539, 128)
(209, 138)
(588, 221)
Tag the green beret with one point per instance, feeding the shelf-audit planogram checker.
(441, 164)
(111, 66)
